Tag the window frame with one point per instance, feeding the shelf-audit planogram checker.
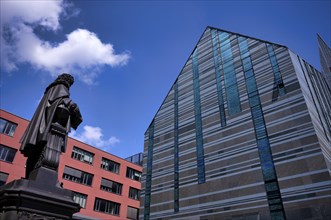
(119, 187)
(80, 196)
(7, 127)
(134, 191)
(5, 151)
(131, 173)
(83, 179)
(79, 154)
(3, 178)
(116, 166)
(135, 209)
(107, 205)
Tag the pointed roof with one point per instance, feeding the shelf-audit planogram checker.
(246, 36)
(218, 29)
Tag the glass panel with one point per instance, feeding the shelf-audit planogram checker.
(80, 199)
(77, 176)
(133, 174)
(82, 155)
(7, 127)
(106, 206)
(233, 100)
(133, 213)
(247, 63)
(110, 165)
(3, 178)
(7, 154)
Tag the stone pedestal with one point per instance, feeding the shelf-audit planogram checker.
(39, 198)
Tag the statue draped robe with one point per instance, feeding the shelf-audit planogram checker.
(46, 135)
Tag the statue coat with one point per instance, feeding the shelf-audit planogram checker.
(39, 126)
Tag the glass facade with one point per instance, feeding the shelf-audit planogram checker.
(198, 121)
(263, 145)
(279, 88)
(218, 77)
(248, 121)
(136, 159)
(148, 184)
(176, 150)
(230, 80)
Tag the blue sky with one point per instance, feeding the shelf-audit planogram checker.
(125, 55)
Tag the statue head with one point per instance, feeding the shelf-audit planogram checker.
(65, 79)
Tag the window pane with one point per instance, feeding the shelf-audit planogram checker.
(106, 206)
(80, 199)
(3, 178)
(77, 176)
(133, 213)
(7, 154)
(7, 127)
(110, 165)
(133, 174)
(82, 155)
(134, 193)
(111, 186)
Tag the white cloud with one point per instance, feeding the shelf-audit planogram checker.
(94, 136)
(81, 54)
(44, 13)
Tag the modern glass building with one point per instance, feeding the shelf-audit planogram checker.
(244, 133)
(325, 57)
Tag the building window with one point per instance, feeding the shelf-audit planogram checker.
(110, 165)
(80, 199)
(267, 165)
(7, 127)
(82, 155)
(198, 120)
(77, 176)
(111, 186)
(106, 206)
(7, 154)
(133, 174)
(230, 79)
(3, 178)
(133, 213)
(218, 78)
(278, 81)
(134, 193)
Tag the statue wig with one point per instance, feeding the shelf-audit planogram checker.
(65, 79)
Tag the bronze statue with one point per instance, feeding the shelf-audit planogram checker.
(46, 135)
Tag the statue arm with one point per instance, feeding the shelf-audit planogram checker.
(75, 115)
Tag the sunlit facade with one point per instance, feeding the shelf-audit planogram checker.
(244, 133)
(325, 58)
(105, 186)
